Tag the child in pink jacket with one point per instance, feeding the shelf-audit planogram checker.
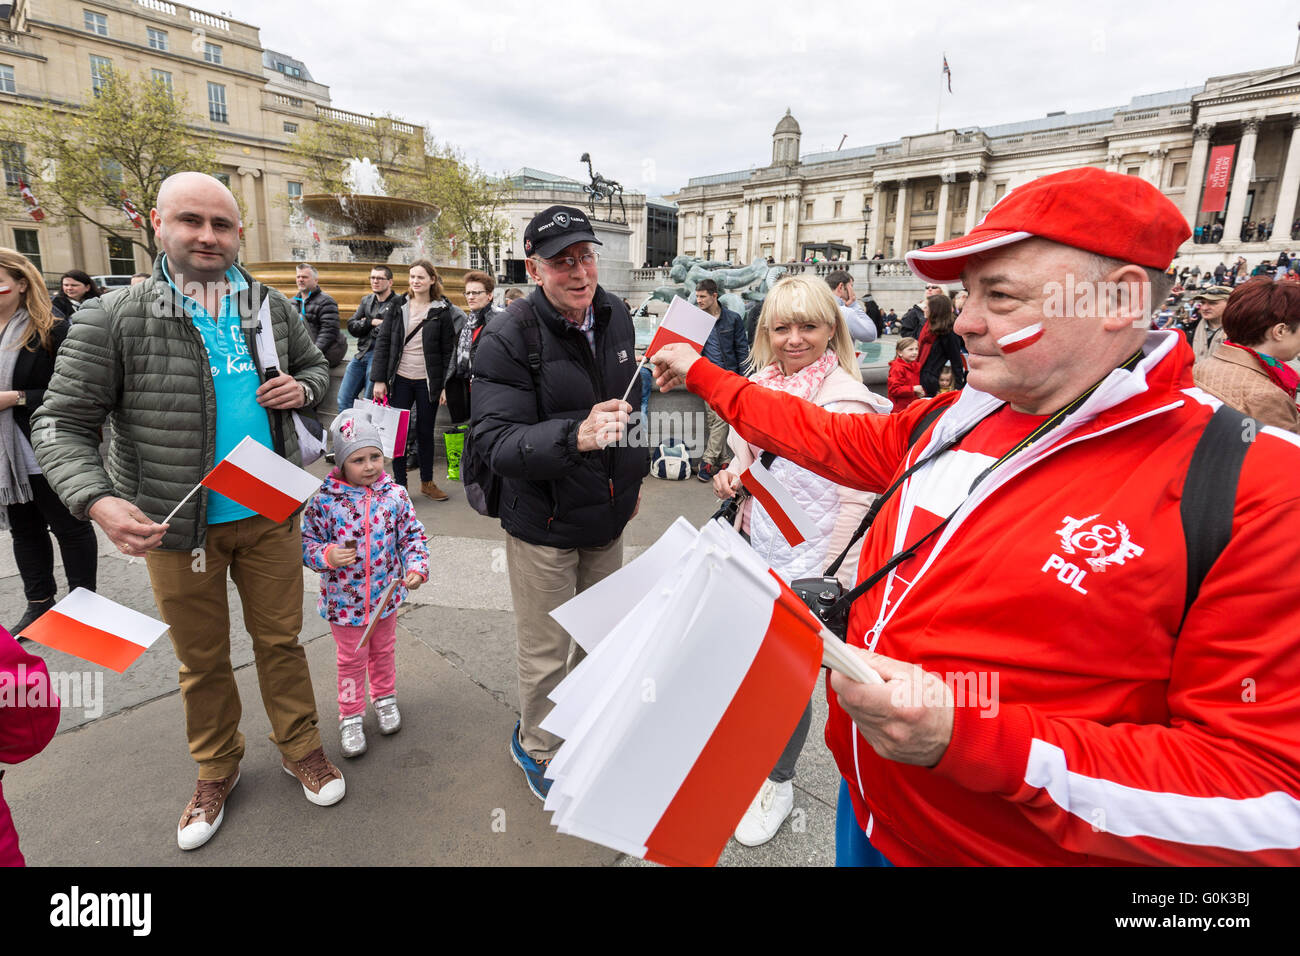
(360, 531)
(27, 724)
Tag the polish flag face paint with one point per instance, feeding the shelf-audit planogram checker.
(1015, 341)
(4, 290)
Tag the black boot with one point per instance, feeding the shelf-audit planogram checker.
(34, 610)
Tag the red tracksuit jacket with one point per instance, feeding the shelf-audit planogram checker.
(1115, 737)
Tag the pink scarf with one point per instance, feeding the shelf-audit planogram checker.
(805, 383)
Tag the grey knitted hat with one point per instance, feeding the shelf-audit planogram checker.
(353, 430)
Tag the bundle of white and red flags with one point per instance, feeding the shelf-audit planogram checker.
(700, 663)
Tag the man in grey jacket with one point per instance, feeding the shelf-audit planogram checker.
(173, 364)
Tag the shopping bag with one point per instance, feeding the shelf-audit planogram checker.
(391, 422)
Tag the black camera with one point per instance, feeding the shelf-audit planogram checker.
(822, 595)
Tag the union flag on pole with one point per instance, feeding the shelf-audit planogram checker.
(947, 72)
(90, 626)
(258, 478)
(128, 207)
(36, 212)
(683, 322)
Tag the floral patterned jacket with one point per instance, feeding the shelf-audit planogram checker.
(390, 542)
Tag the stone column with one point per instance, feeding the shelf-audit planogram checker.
(699, 232)
(253, 241)
(795, 201)
(1286, 197)
(777, 249)
(1241, 181)
(1156, 165)
(1112, 162)
(901, 237)
(973, 200)
(941, 224)
(1201, 134)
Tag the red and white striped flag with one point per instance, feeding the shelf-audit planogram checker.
(258, 478)
(95, 629)
(683, 322)
(672, 724)
(36, 212)
(795, 523)
(128, 207)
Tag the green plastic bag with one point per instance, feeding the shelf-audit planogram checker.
(455, 442)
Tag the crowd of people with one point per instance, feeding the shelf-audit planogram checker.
(1014, 455)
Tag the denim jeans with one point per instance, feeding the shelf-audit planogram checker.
(408, 393)
(32, 523)
(354, 379)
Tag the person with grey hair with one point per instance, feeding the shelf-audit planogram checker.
(320, 312)
(177, 367)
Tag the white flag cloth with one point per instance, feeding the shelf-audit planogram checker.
(683, 322)
(684, 705)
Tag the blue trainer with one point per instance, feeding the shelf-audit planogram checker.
(534, 770)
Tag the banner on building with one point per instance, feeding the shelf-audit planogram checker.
(1217, 179)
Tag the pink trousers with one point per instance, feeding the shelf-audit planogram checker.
(378, 657)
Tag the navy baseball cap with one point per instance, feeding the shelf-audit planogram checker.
(556, 228)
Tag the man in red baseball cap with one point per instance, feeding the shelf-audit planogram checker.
(1080, 572)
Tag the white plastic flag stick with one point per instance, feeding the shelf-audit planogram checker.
(838, 657)
(636, 375)
(168, 519)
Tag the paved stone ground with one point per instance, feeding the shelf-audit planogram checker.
(109, 789)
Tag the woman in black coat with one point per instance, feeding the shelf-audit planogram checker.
(940, 345)
(413, 352)
(75, 287)
(30, 336)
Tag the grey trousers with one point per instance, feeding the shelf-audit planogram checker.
(716, 450)
(784, 769)
(541, 579)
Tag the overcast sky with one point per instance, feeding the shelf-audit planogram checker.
(660, 94)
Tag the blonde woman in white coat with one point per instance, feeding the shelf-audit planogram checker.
(801, 346)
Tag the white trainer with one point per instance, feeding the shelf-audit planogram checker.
(766, 814)
(353, 736)
(390, 718)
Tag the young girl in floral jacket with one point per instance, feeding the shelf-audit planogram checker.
(360, 531)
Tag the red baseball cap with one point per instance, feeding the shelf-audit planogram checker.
(1110, 214)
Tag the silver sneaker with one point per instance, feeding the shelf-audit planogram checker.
(390, 718)
(354, 736)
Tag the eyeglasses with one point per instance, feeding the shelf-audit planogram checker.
(468, 293)
(587, 259)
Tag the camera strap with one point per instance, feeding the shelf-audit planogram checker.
(1043, 428)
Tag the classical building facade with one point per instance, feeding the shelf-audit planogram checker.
(892, 197)
(250, 101)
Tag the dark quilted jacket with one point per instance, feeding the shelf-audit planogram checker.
(552, 494)
(135, 360)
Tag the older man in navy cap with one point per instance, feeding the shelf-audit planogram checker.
(549, 421)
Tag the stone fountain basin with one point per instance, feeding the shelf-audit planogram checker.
(368, 214)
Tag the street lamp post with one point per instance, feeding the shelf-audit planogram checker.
(731, 223)
(866, 220)
(708, 239)
(510, 256)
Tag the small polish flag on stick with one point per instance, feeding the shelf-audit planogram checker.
(795, 523)
(683, 322)
(117, 636)
(36, 212)
(128, 207)
(1015, 341)
(256, 477)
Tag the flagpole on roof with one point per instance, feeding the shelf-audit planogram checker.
(939, 103)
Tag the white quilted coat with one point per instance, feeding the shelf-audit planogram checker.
(836, 510)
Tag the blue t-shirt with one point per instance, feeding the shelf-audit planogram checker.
(235, 379)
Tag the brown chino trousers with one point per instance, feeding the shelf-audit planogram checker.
(265, 561)
(541, 579)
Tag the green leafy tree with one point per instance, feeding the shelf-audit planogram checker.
(324, 146)
(127, 137)
(471, 203)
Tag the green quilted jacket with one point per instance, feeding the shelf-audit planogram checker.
(134, 359)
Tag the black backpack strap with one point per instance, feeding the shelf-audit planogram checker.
(1210, 495)
(931, 415)
(533, 340)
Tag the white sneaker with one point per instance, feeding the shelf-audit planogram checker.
(766, 814)
(353, 736)
(390, 718)
(205, 811)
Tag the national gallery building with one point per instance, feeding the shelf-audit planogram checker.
(892, 197)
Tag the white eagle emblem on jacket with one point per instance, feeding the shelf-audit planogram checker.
(1104, 545)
